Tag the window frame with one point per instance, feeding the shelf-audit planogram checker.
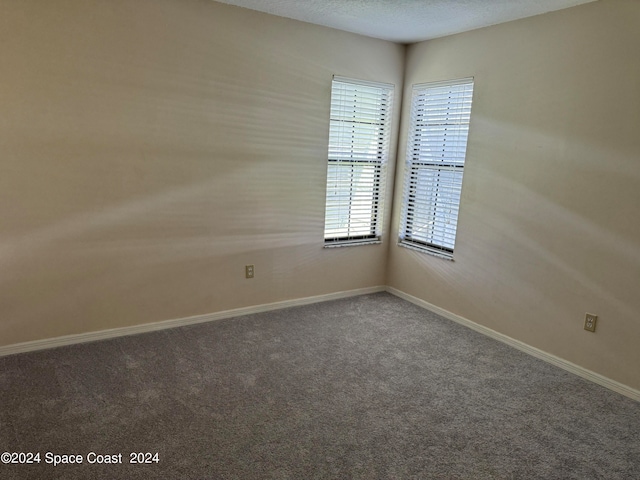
(437, 206)
(357, 158)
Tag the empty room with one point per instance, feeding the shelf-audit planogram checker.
(286, 239)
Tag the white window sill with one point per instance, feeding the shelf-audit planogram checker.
(427, 250)
(352, 243)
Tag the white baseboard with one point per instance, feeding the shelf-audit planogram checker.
(179, 322)
(535, 352)
(209, 317)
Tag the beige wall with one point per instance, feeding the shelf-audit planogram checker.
(549, 226)
(149, 149)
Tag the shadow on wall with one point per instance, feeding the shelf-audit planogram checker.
(167, 246)
(556, 210)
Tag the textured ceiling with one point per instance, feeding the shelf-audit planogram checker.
(405, 21)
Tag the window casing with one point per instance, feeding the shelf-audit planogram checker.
(359, 129)
(436, 151)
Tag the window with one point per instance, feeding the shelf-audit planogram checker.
(436, 150)
(358, 151)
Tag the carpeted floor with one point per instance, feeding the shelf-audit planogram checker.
(370, 387)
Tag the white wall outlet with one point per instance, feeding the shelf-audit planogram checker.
(248, 271)
(590, 322)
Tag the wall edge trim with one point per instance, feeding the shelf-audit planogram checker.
(73, 339)
(98, 335)
(523, 347)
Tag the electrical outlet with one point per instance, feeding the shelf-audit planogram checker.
(590, 322)
(248, 271)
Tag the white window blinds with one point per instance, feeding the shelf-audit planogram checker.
(358, 150)
(436, 153)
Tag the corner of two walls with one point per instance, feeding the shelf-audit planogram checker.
(153, 148)
(548, 224)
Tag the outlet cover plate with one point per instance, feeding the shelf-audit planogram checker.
(590, 322)
(248, 271)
